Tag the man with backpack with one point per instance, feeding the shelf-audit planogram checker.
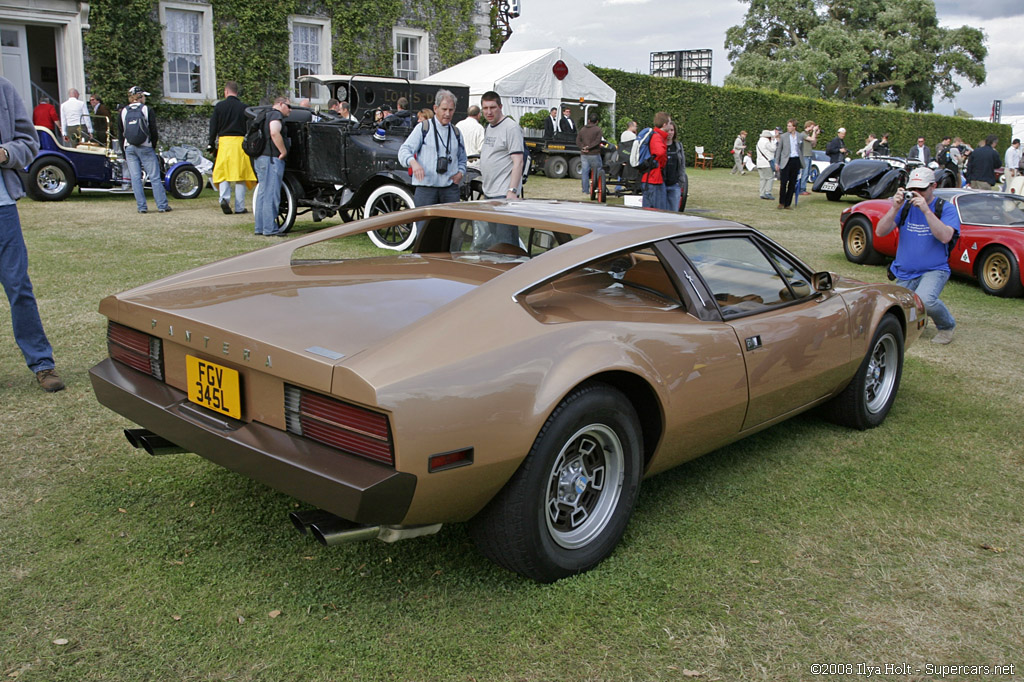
(653, 182)
(269, 165)
(139, 137)
(436, 154)
(929, 228)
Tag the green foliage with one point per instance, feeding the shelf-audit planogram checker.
(711, 116)
(533, 119)
(860, 51)
(251, 41)
(124, 48)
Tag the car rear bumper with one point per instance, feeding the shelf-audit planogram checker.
(343, 484)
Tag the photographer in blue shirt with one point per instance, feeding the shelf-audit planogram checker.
(922, 257)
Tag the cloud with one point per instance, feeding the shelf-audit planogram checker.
(625, 2)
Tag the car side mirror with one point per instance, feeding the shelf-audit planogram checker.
(822, 281)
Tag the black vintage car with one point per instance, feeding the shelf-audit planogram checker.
(351, 169)
(875, 178)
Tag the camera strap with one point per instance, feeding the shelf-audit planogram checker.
(437, 141)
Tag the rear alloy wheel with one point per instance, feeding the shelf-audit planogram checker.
(186, 182)
(286, 209)
(857, 242)
(555, 167)
(866, 401)
(388, 199)
(50, 179)
(812, 175)
(999, 272)
(566, 507)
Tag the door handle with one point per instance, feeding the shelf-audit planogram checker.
(753, 342)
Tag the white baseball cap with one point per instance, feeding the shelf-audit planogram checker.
(841, 130)
(921, 178)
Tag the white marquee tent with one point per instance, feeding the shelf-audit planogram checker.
(528, 81)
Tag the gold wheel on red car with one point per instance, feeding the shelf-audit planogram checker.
(999, 272)
(857, 241)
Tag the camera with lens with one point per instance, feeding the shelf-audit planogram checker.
(442, 164)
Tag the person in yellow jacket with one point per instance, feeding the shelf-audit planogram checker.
(227, 129)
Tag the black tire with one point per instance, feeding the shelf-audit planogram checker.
(866, 401)
(286, 209)
(186, 182)
(556, 167)
(576, 168)
(387, 199)
(999, 272)
(541, 524)
(834, 196)
(50, 179)
(858, 240)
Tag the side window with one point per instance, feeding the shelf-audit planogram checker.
(742, 278)
(513, 240)
(634, 280)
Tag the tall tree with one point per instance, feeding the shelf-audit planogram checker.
(857, 51)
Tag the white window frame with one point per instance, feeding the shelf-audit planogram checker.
(326, 63)
(422, 54)
(207, 65)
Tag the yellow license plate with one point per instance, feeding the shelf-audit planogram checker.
(213, 386)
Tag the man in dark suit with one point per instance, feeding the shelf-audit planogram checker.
(789, 162)
(565, 124)
(551, 124)
(920, 152)
(101, 122)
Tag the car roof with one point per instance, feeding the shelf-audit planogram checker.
(578, 218)
(950, 193)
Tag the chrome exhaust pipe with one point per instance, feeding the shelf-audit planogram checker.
(302, 520)
(336, 530)
(151, 443)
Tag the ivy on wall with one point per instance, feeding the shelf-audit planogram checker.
(251, 39)
(123, 48)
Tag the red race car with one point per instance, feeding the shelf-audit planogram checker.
(991, 243)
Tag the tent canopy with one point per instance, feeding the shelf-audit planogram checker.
(527, 81)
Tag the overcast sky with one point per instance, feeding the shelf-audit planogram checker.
(622, 33)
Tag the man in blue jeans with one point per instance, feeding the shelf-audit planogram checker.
(922, 257)
(18, 146)
(139, 136)
(270, 169)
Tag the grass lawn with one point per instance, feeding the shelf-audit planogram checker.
(804, 544)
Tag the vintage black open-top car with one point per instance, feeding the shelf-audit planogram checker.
(875, 178)
(351, 169)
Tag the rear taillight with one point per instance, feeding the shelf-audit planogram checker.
(135, 349)
(338, 424)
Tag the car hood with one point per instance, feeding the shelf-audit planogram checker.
(336, 308)
(860, 171)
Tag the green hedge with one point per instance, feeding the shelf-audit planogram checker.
(712, 116)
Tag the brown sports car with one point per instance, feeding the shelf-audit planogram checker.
(522, 369)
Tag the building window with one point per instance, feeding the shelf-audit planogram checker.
(188, 51)
(310, 54)
(410, 53)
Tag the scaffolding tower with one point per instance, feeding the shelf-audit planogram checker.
(691, 65)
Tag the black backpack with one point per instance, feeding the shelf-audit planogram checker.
(255, 140)
(136, 125)
(944, 157)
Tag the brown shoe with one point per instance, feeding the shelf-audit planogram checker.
(943, 337)
(49, 380)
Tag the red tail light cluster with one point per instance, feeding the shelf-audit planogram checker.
(338, 424)
(135, 349)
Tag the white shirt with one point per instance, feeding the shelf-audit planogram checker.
(472, 135)
(75, 112)
(1012, 157)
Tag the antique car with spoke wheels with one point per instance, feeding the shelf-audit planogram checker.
(350, 168)
(989, 250)
(522, 369)
(60, 167)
